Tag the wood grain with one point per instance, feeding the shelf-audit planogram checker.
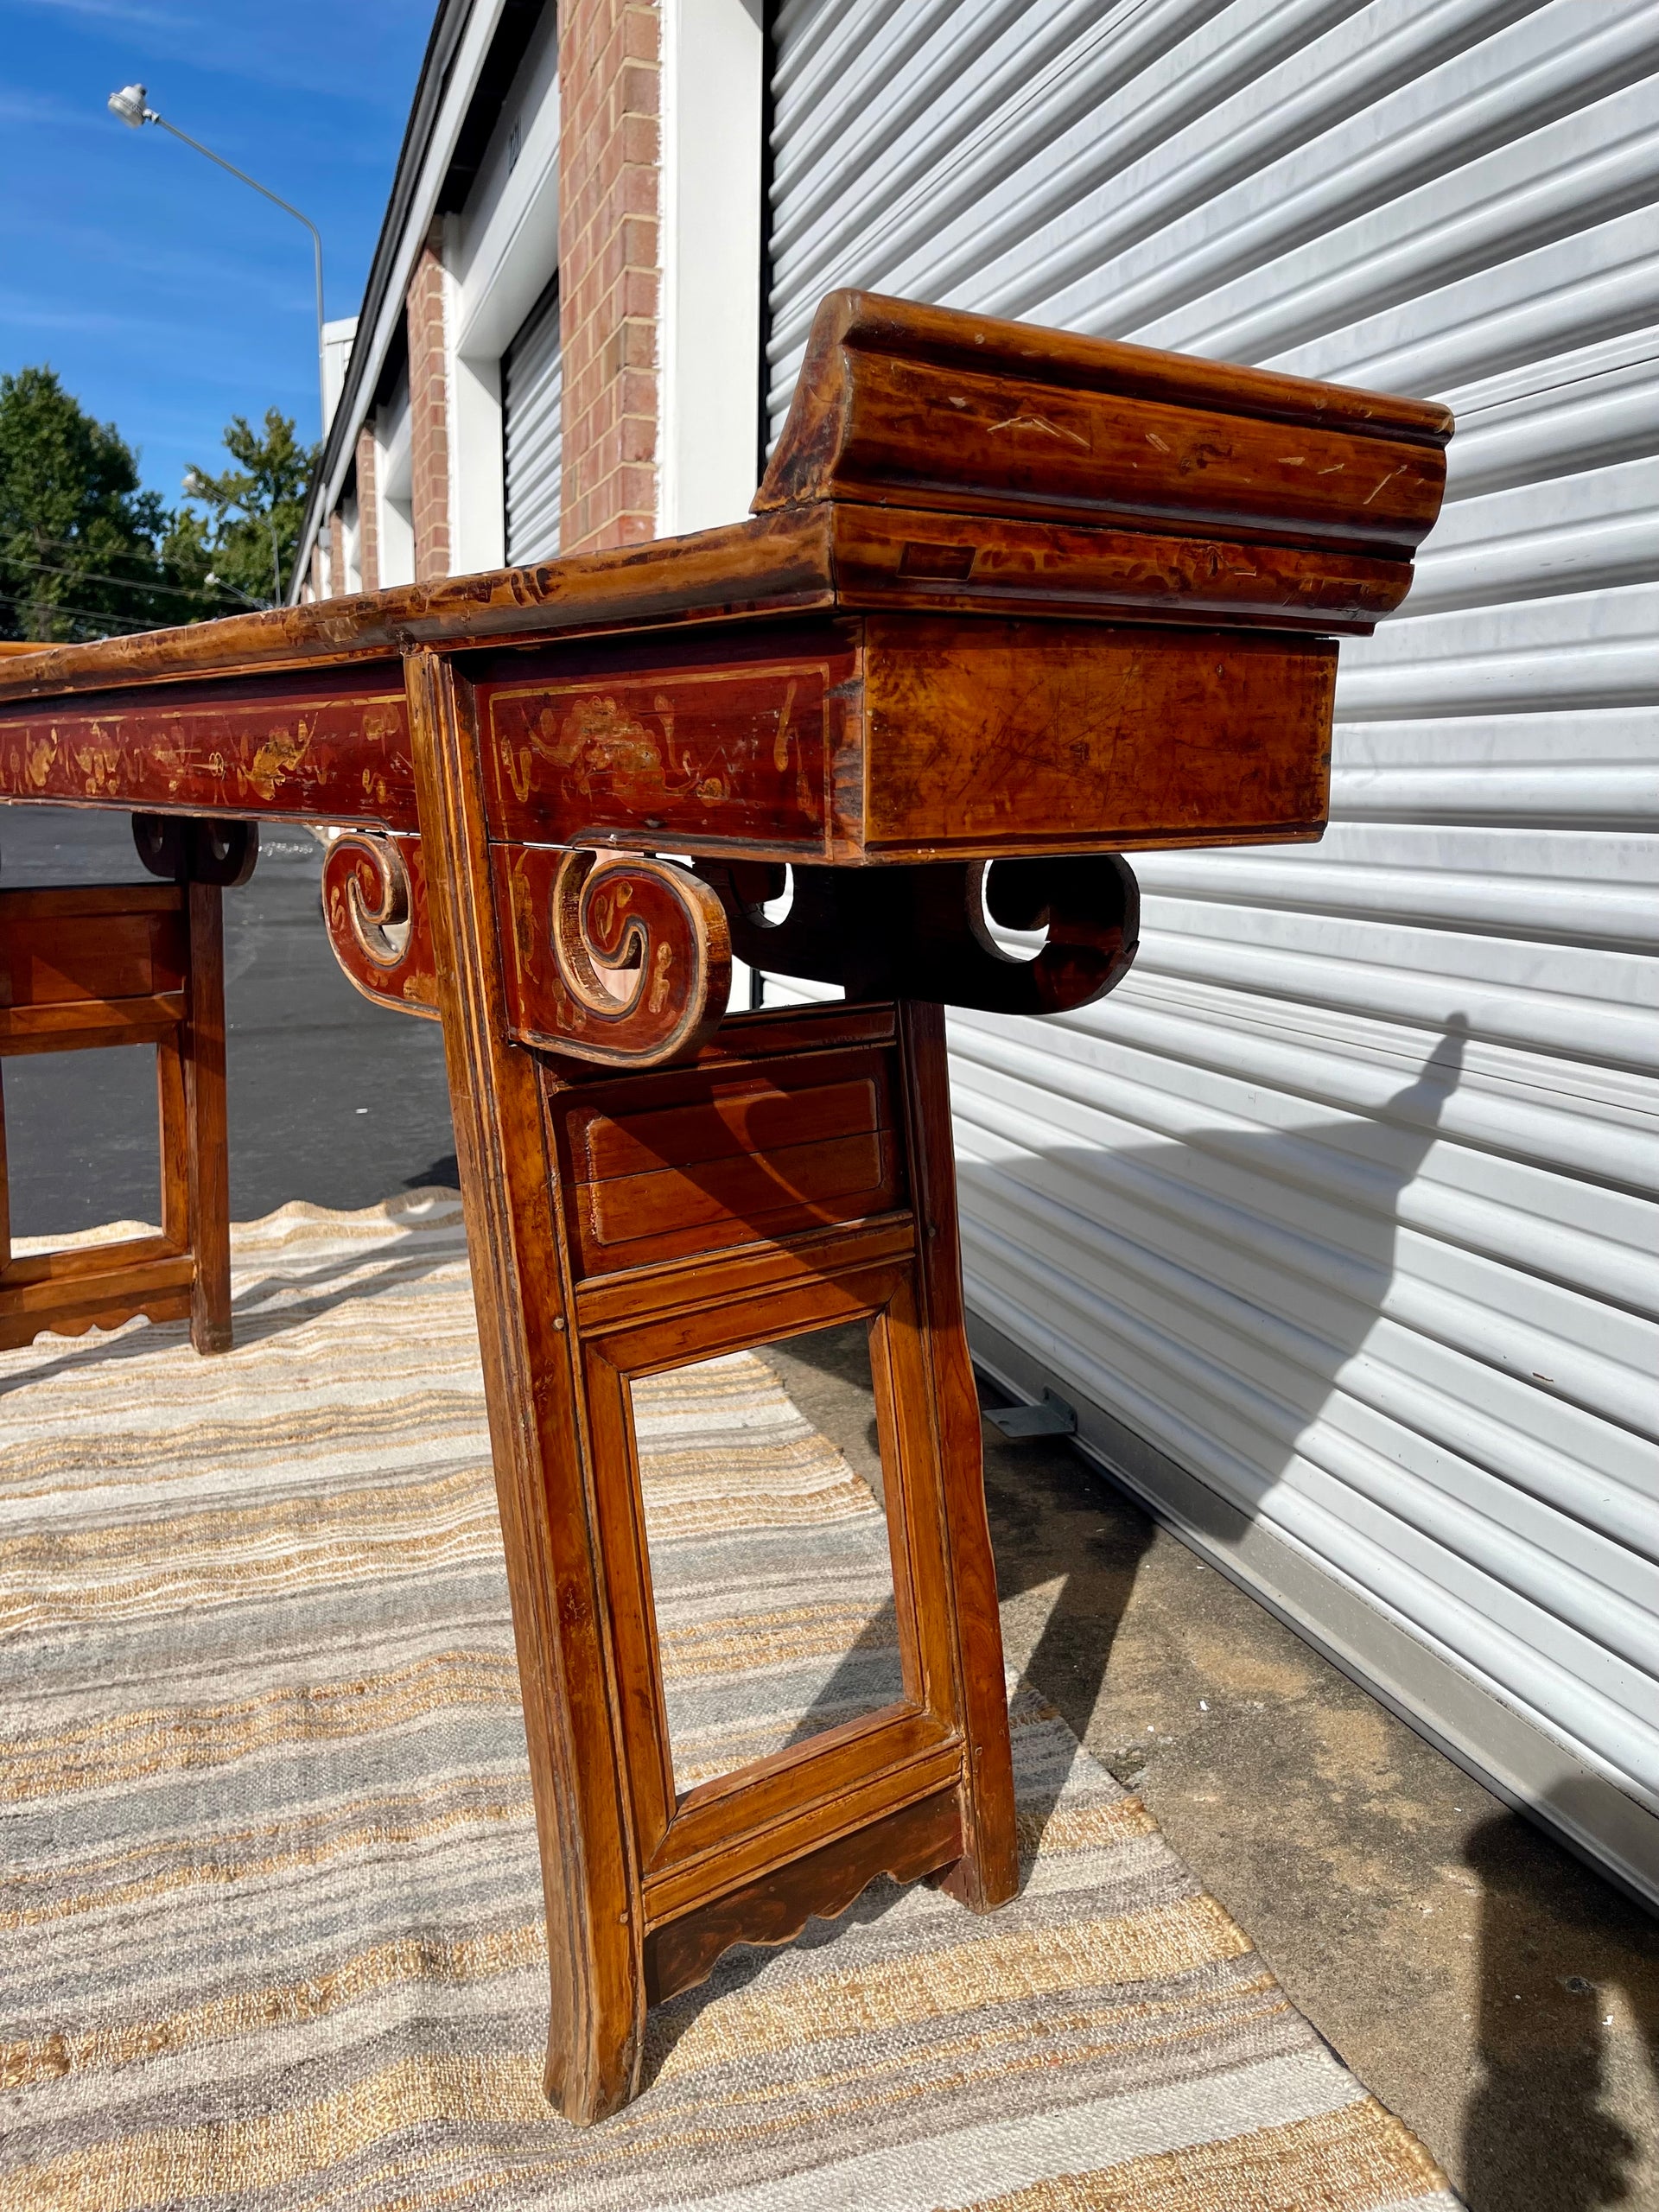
(902, 406)
(990, 737)
(930, 407)
(616, 958)
(543, 1473)
(775, 1907)
(994, 564)
(86, 947)
(731, 751)
(699, 1279)
(326, 749)
(781, 1077)
(988, 1872)
(201, 1046)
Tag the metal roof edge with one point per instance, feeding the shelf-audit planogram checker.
(449, 27)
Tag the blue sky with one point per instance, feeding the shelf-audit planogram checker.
(168, 296)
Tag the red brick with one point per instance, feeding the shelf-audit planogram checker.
(640, 139)
(640, 40)
(610, 191)
(638, 91)
(428, 413)
(637, 236)
(368, 516)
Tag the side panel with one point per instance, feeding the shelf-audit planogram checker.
(717, 741)
(310, 746)
(1042, 736)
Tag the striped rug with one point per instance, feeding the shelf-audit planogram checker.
(269, 1928)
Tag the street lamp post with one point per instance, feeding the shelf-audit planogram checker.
(132, 105)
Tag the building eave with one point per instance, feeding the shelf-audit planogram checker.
(462, 34)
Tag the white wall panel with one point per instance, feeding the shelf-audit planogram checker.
(1347, 1202)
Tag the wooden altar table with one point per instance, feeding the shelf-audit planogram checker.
(1010, 604)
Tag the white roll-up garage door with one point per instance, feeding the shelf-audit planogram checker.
(532, 426)
(1339, 1218)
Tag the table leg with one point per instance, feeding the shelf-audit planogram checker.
(208, 1157)
(646, 1886)
(542, 1477)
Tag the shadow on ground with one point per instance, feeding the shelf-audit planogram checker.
(1568, 1999)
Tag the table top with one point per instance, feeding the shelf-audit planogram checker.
(1003, 590)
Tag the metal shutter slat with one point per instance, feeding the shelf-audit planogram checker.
(533, 431)
(1348, 1202)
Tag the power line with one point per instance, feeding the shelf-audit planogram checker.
(91, 576)
(20, 600)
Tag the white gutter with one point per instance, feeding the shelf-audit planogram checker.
(374, 344)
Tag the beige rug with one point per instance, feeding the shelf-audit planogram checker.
(270, 1926)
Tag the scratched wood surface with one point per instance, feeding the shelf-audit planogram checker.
(915, 406)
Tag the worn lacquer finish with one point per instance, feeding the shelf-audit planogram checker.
(309, 751)
(612, 958)
(923, 407)
(374, 906)
(637, 753)
(997, 736)
(1012, 603)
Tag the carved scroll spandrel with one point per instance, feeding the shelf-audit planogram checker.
(923, 932)
(186, 849)
(617, 958)
(374, 906)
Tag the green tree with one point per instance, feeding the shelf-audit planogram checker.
(250, 534)
(85, 552)
(80, 544)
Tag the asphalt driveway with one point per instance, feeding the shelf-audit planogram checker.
(331, 1099)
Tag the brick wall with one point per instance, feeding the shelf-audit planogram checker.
(336, 555)
(429, 423)
(609, 53)
(368, 517)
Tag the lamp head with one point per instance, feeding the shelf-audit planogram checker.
(129, 104)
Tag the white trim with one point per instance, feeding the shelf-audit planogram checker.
(351, 537)
(338, 338)
(714, 55)
(506, 240)
(500, 253)
(478, 532)
(393, 491)
(468, 64)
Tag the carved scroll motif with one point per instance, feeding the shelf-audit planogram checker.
(188, 849)
(614, 958)
(922, 932)
(374, 904)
